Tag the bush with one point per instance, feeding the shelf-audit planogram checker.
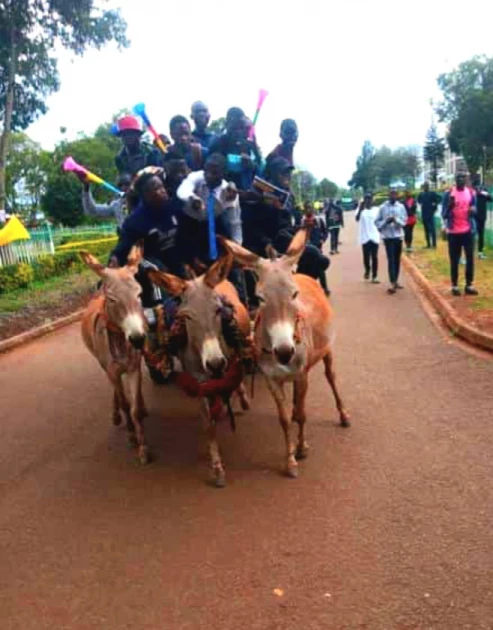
(14, 277)
(19, 276)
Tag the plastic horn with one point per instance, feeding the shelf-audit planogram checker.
(262, 95)
(140, 110)
(70, 164)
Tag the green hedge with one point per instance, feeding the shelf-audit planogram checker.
(21, 275)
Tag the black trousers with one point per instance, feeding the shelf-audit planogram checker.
(481, 223)
(370, 258)
(334, 239)
(408, 235)
(456, 243)
(393, 247)
(430, 229)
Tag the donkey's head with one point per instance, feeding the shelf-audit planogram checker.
(201, 312)
(123, 306)
(277, 292)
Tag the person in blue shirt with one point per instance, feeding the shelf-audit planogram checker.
(243, 158)
(201, 116)
(183, 147)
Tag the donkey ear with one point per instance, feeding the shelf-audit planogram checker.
(271, 252)
(93, 263)
(241, 255)
(219, 271)
(172, 284)
(296, 247)
(135, 256)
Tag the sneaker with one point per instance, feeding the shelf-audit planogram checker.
(367, 275)
(462, 261)
(470, 290)
(391, 290)
(481, 256)
(456, 291)
(327, 292)
(375, 281)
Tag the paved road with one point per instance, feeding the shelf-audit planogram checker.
(388, 526)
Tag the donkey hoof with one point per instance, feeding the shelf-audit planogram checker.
(292, 471)
(245, 404)
(345, 421)
(116, 419)
(302, 452)
(218, 479)
(144, 456)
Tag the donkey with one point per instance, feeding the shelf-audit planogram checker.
(114, 331)
(291, 335)
(204, 351)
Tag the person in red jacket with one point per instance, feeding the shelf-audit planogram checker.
(411, 207)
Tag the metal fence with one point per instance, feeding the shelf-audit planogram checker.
(44, 240)
(40, 243)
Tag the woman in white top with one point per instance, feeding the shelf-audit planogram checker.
(369, 237)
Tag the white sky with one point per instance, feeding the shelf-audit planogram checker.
(346, 71)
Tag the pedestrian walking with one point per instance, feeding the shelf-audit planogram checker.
(429, 200)
(411, 208)
(483, 197)
(335, 221)
(390, 221)
(369, 237)
(458, 212)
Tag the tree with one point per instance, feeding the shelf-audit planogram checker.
(434, 152)
(30, 31)
(62, 200)
(466, 106)
(304, 186)
(326, 189)
(217, 126)
(365, 175)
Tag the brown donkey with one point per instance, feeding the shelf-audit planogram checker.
(292, 334)
(114, 330)
(204, 353)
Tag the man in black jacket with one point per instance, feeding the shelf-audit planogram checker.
(483, 197)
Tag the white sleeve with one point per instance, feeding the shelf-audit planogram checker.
(188, 186)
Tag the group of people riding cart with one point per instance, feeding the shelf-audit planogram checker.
(179, 203)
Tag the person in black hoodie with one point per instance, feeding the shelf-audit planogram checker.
(266, 223)
(243, 158)
(482, 199)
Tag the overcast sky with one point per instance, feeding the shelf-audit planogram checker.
(346, 70)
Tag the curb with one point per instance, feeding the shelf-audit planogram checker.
(455, 323)
(40, 331)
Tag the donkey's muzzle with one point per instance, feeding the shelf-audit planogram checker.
(137, 341)
(284, 354)
(216, 366)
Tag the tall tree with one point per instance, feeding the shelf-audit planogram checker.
(365, 175)
(434, 152)
(30, 31)
(326, 189)
(466, 106)
(218, 125)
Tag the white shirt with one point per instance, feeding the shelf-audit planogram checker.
(195, 186)
(367, 229)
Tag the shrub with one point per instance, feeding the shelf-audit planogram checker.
(19, 276)
(14, 277)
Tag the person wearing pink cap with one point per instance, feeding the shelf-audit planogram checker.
(135, 154)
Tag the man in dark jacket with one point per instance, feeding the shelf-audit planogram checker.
(135, 155)
(429, 200)
(201, 116)
(483, 197)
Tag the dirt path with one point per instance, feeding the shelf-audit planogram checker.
(388, 526)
